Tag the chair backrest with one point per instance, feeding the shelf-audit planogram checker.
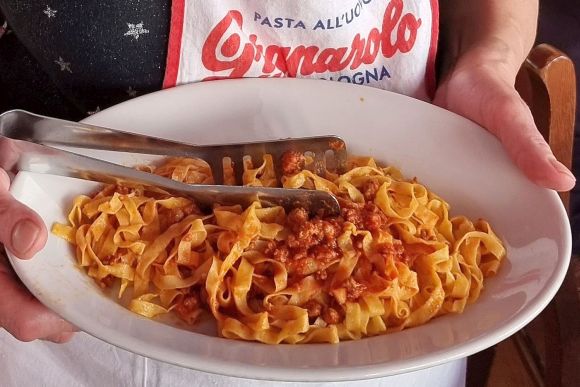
(547, 84)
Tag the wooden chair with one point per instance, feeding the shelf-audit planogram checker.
(550, 346)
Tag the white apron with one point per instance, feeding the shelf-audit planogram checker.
(389, 44)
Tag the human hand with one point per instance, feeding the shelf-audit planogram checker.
(23, 233)
(484, 44)
(482, 89)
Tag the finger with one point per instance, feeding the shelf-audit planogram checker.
(4, 180)
(496, 105)
(21, 229)
(24, 316)
(511, 121)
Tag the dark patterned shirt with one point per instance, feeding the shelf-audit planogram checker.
(70, 58)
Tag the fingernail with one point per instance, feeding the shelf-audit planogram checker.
(24, 236)
(561, 168)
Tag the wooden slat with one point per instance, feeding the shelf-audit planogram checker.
(547, 84)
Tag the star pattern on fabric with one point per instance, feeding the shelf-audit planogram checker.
(64, 66)
(49, 12)
(131, 92)
(136, 30)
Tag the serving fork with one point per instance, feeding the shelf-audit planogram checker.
(30, 142)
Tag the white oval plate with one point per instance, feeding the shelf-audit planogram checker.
(454, 157)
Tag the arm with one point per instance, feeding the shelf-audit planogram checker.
(484, 43)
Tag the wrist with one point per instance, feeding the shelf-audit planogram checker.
(494, 33)
(496, 55)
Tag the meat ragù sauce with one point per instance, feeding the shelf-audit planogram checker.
(312, 247)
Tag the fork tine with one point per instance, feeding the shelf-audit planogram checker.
(217, 169)
(50, 132)
(319, 163)
(239, 170)
(341, 158)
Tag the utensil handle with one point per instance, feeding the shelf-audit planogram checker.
(22, 125)
(18, 155)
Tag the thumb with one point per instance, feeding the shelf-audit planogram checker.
(497, 106)
(21, 230)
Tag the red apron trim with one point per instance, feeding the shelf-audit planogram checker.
(177, 29)
(430, 73)
(174, 47)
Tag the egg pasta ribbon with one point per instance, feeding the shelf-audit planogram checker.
(393, 259)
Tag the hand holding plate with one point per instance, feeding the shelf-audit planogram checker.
(23, 233)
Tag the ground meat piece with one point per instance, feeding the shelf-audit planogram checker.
(107, 281)
(372, 222)
(306, 234)
(299, 254)
(369, 189)
(296, 218)
(314, 259)
(292, 162)
(271, 246)
(331, 229)
(368, 215)
(313, 308)
(186, 307)
(112, 259)
(310, 247)
(323, 253)
(310, 233)
(293, 242)
(363, 268)
(331, 316)
(373, 217)
(176, 215)
(353, 216)
(278, 251)
(185, 271)
(354, 289)
(122, 190)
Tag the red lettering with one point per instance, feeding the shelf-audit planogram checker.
(274, 59)
(300, 59)
(373, 46)
(358, 46)
(237, 57)
(231, 46)
(331, 59)
(408, 23)
(390, 21)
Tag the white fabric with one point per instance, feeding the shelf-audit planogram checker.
(86, 361)
(380, 43)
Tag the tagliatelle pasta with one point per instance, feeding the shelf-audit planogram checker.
(393, 259)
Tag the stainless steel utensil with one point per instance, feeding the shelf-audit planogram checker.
(27, 143)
